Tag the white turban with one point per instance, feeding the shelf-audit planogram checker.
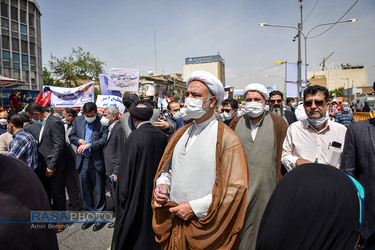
(212, 83)
(258, 88)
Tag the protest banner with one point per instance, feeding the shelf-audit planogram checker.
(123, 79)
(70, 97)
(103, 101)
(103, 79)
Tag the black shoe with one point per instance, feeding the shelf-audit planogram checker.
(87, 225)
(98, 226)
(111, 225)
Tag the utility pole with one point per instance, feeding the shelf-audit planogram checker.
(299, 61)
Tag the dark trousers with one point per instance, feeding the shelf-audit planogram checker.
(90, 179)
(72, 187)
(55, 188)
(112, 191)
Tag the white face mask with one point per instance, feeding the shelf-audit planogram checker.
(66, 122)
(176, 115)
(104, 121)
(227, 116)
(183, 114)
(294, 104)
(194, 108)
(3, 122)
(254, 109)
(316, 123)
(90, 119)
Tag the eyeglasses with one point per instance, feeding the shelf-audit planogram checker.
(317, 103)
(226, 110)
(274, 101)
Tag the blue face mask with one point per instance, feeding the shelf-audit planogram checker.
(36, 121)
(346, 109)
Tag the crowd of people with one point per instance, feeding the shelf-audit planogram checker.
(206, 173)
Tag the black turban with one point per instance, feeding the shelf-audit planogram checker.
(141, 113)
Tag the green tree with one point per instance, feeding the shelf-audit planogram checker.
(47, 77)
(78, 65)
(337, 92)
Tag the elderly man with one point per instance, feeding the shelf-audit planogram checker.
(276, 106)
(201, 184)
(112, 148)
(316, 139)
(139, 162)
(263, 156)
(345, 117)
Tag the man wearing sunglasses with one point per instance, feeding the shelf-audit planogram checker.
(316, 139)
(276, 106)
(228, 111)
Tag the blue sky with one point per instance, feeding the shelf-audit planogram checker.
(121, 33)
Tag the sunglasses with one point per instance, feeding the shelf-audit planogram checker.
(226, 110)
(274, 101)
(317, 103)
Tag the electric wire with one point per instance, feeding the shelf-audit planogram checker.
(311, 11)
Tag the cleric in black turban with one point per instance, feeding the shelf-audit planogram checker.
(141, 110)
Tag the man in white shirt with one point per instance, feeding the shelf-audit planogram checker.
(202, 176)
(316, 139)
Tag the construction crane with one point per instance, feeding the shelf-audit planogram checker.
(323, 64)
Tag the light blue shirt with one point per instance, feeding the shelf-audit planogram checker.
(88, 134)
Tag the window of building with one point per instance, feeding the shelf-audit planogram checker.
(4, 9)
(5, 23)
(23, 29)
(23, 4)
(15, 34)
(5, 42)
(16, 57)
(6, 55)
(31, 7)
(25, 67)
(25, 75)
(6, 72)
(23, 37)
(32, 49)
(31, 20)
(15, 44)
(14, 26)
(24, 47)
(6, 63)
(31, 31)
(16, 65)
(32, 60)
(14, 13)
(23, 16)
(25, 59)
(14, 3)
(16, 74)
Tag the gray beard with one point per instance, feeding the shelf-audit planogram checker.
(277, 111)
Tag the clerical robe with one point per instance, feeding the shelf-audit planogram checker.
(141, 155)
(221, 226)
(264, 163)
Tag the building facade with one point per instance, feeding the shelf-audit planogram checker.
(213, 64)
(347, 77)
(21, 51)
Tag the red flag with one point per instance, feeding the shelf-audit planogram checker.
(43, 98)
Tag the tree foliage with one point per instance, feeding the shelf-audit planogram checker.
(337, 92)
(78, 65)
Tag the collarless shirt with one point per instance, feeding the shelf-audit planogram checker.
(195, 130)
(304, 141)
(23, 147)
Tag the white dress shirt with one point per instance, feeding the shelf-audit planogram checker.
(303, 141)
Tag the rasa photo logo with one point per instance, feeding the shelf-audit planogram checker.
(70, 217)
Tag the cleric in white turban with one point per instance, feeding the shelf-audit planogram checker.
(202, 177)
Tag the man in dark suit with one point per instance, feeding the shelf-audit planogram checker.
(358, 160)
(112, 148)
(90, 136)
(50, 133)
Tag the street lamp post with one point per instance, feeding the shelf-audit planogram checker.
(300, 32)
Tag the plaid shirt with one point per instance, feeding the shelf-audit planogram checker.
(24, 147)
(344, 118)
